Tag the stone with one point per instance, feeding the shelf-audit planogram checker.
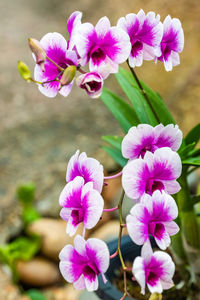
(108, 231)
(38, 272)
(53, 234)
(66, 292)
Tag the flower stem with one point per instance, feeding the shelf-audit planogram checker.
(81, 70)
(114, 254)
(119, 246)
(143, 92)
(113, 176)
(111, 209)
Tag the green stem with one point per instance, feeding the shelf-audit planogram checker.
(143, 92)
(189, 226)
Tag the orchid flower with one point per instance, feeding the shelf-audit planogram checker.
(82, 263)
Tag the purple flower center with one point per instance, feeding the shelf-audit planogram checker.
(91, 86)
(145, 149)
(156, 229)
(97, 55)
(153, 185)
(136, 47)
(77, 216)
(90, 271)
(166, 50)
(151, 277)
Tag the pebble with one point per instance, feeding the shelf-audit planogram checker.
(53, 234)
(38, 272)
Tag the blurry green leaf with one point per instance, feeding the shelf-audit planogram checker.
(115, 141)
(193, 161)
(193, 135)
(29, 215)
(22, 248)
(35, 295)
(141, 107)
(183, 152)
(26, 193)
(116, 155)
(121, 110)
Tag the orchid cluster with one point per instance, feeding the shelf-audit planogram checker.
(149, 177)
(136, 37)
(82, 202)
(155, 158)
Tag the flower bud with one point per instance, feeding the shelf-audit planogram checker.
(24, 71)
(68, 75)
(155, 296)
(38, 51)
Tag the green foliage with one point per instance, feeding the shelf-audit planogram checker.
(183, 152)
(22, 248)
(143, 110)
(192, 161)
(121, 110)
(116, 155)
(35, 295)
(26, 195)
(193, 136)
(114, 141)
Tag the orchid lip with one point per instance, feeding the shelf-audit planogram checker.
(153, 185)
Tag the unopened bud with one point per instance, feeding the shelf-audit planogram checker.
(68, 75)
(155, 296)
(24, 71)
(38, 51)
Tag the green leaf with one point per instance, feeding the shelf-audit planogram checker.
(115, 141)
(22, 248)
(183, 152)
(193, 135)
(195, 199)
(26, 193)
(141, 107)
(158, 105)
(194, 153)
(116, 155)
(156, 101)
(29, 215)
(193, 161)
(35, 295)
(121, 110)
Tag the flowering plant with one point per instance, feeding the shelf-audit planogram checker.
(155, 158)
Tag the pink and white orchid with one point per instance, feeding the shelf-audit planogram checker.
(56, 49)
(73, 23)
(145, 32)
(91, 82)
(88, 168)
(81, 204)
(82, 263)
(103, 46)
(153, 215)
(156, 171)
(154, 270)
(145, 138)
(172, 43)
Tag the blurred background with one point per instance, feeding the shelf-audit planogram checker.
(38, 134)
